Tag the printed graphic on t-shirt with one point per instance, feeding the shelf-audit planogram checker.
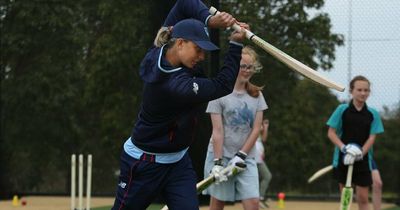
(240, 117)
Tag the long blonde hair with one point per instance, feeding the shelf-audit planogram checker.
(253, 90)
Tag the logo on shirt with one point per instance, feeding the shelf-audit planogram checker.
(122, 185)
(195, 87)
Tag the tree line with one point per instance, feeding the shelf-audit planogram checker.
(70, 84)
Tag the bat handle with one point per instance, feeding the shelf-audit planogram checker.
(349, 175)
(249, 34)
(241, 165)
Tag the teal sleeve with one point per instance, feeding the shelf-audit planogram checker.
(376, 126)
(335, 121)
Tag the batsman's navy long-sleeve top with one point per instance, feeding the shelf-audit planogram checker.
(184, 9)
(172, 97)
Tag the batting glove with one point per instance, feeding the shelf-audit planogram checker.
(353, 149)
(218, 176)
(359, 157)
(216, 171)
(239, 158)
(348, 159)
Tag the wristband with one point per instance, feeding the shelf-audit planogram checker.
(343, 149)
(241, 154)
(218, 161)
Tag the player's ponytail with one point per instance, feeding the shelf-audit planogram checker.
(253, 90)
(163, 36)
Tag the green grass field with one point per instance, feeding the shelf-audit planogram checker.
(158, 207)
(394, 208)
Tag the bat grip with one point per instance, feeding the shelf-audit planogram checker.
(241, 165)
(349, 175)
(213, 11)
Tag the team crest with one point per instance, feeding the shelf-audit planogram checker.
(195, 87)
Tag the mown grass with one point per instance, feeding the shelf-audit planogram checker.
(158, 207)
(394, 208)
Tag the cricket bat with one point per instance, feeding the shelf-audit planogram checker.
(347, 192)
(205, 183)
(287, 59)
(320, 173)
(202, 185)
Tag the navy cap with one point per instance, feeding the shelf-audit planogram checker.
(195, 31)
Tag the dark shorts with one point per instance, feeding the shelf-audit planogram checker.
(142, 181)
(360, 178)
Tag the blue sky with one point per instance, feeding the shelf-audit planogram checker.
(375, 47)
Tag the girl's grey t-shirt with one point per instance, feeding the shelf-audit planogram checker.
(238, 111)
